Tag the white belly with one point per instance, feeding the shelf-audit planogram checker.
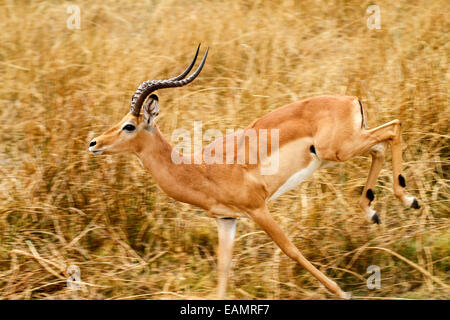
(297, 178)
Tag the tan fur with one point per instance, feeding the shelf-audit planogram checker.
(332, 124)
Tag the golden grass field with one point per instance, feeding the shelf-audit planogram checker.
(62, 206)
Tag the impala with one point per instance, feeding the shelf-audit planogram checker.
(311, 134)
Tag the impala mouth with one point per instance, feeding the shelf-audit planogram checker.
(95, 151)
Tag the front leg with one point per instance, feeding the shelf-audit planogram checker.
(227, 230)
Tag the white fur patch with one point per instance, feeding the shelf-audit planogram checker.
(91, 149)
(369, 215)
(297, 178)
(227, 228)
(408, 201)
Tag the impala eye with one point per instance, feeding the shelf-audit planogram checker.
(129, 127)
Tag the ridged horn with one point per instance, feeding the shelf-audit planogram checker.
(147, 87)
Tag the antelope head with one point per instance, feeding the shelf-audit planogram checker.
(121, 137)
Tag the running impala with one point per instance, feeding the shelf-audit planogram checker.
(310, 134)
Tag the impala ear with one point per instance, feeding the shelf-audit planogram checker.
(151, 110)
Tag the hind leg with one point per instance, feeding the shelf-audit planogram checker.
(363, 141)
(377, 152)
(398, 180)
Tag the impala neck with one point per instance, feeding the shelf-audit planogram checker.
(155, 154)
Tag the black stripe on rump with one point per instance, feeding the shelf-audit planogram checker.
(362, 114)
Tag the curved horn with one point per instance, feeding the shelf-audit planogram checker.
(148, 87)
(188, 69)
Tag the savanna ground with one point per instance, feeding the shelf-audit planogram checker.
(62, 206)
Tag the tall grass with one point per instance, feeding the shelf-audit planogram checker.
(61, 206)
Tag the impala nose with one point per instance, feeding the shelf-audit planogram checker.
(93, 143)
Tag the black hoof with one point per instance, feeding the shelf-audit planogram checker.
(376, 219)
(415, 204)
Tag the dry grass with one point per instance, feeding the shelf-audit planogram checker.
(59, 205)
